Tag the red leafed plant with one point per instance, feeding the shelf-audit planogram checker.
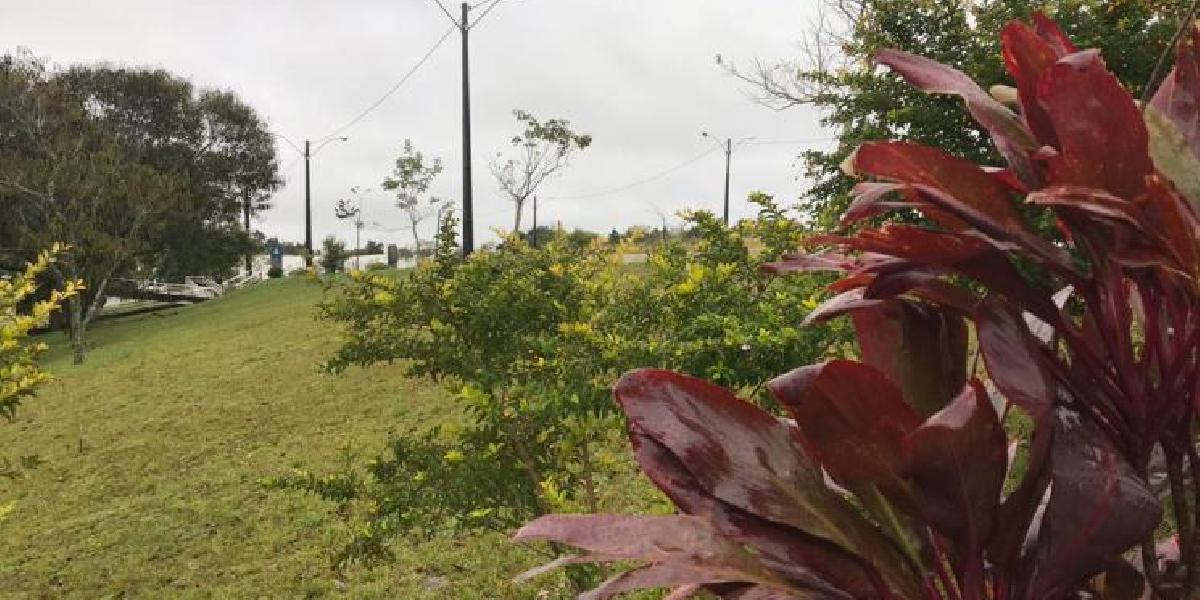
(888, 481)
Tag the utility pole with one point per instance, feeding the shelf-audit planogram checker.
(308, 241)
(533, 232)
(728, 156)
(727, 148)
(468, 193)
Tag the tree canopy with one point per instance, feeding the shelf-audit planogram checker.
(135, 170)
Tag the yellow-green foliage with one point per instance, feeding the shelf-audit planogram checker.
(19, 371)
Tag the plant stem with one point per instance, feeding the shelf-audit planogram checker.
(1183, 522)
(1150, 567)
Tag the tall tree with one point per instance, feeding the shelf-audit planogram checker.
(410, 180)
(213, 142)
(835, 74)
(540, 151)
(128, 167)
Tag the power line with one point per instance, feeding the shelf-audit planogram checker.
(448, 15)
(292, 165)
(485, 13)
(391, 90)
(789, 142)
(639, 182)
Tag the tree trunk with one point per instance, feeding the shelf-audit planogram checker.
(517, 220)
(75, 322)
(79, 320)
(416, 238)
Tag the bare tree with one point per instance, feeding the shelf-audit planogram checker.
(786, 83)
(542, 150)
(410, 180)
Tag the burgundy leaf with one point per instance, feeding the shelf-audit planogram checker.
(668, 575)
(1012, 138)
(839, 305)
(1178, 103)
(921, 349)
(1013, 358)
(1102, 139)
(867, 196)
(804, 263)
(961, 253)
(854, 421)
(798, 557)
(1179, 96)
(894, 283)
(807, 561)
(957, 460)
(746, 472)
(738, 452)
(914, 164)
(1090, 201)
(746, 592)
(1099, 507)
(625, 537)
(1027, 54)
(1052, 34)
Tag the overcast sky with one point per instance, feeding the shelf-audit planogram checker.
(639, 75)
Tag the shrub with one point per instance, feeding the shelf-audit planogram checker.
(888, 480)
(275, 272)
(333, 255)
(19, 372)
(531, 341)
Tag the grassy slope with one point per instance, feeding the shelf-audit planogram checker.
(152, 452)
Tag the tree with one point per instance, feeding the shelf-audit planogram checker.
(19, 372)
(860, 103)
(410, 180)
(220, 150)
(352, 209)
(131, 169)
(541, 151)
(333, 255)
(64, 177)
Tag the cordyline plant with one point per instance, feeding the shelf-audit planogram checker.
(889, 479)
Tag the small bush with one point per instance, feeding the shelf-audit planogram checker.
(275, 272)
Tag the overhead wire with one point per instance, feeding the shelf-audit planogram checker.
(447, 12)
(789, 142)
(484, 14)
(392, 90)
(639, 182)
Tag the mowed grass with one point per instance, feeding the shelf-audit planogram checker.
(138, 474)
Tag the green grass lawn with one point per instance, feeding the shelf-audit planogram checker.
(138, 474)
